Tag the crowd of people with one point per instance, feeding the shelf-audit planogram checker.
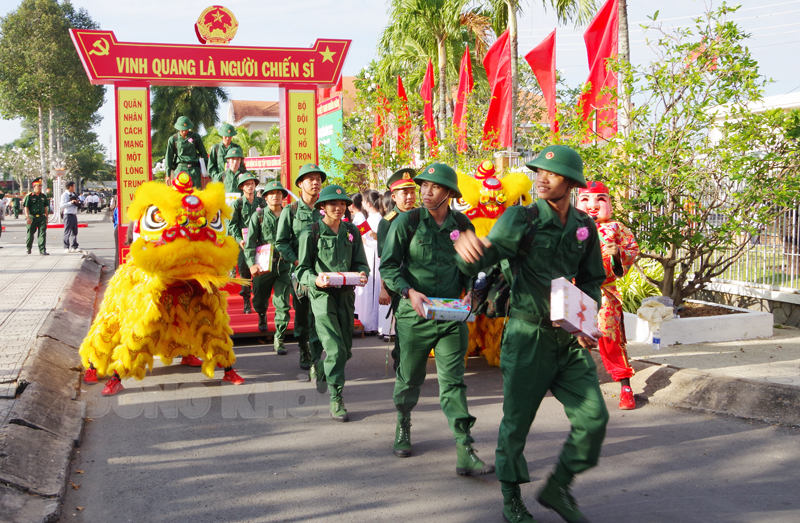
(395, 251)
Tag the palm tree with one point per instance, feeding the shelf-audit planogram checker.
(420, 29)
(272, 142)
(248, 140)
(200, 104)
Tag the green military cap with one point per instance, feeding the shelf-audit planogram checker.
(562, 160)
(245, 177)
(441, 174)
(184, 124)
(227, 129)
(401, 179)
(332, 193)
(234, 152)
(275, 185)
(308, 169)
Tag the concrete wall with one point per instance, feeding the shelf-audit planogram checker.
(783, 313)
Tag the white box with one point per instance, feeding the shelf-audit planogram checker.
(574, 311)
(337, 279)
(264, 254)
(448, 309)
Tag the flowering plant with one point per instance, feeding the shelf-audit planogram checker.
(350, 236)
(582, 233)
(322, 212)
(191, 140)
(455, 235)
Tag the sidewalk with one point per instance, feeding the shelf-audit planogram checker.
(753, 379)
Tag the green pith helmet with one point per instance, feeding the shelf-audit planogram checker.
(401, 179)
(234, 152)
(227, 129)
(245, 177)
(562, 160)
(275, 185)
(439, 173)
(184, 124)
(331, 193)
(308, 169)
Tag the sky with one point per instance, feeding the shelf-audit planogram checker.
(773, 24)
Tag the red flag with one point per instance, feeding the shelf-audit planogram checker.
(602, 42)
(497, 128)
(404, 119)
(426, 92)
(380, 123)
(542, 60)
(465, 85)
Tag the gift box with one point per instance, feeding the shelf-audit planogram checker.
(575, 311)
(449, 309)
(337, 279)
(264, 255)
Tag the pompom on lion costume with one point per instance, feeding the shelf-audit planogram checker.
(165, 301)
(487, 198)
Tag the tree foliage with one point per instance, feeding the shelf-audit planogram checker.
(168, 103)
(704, 168)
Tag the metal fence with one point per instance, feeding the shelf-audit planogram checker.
(774, 260)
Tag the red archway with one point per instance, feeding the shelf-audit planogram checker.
(133, 67)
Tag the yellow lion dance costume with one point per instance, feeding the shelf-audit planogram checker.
(165, 300)
(488, 197)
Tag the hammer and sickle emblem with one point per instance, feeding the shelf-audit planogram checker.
(102, 47)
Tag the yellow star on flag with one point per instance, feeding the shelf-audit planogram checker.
(327, 54)
(218, 16)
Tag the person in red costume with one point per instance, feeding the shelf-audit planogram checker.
(619, 253)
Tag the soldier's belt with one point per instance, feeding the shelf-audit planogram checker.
(189, 165)
(530, 318)
(37, 215)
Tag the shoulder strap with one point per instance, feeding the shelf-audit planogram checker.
(462, 221)
(315, 237)
(413, 221)
(532, 215)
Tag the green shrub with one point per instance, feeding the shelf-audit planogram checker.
(634, 288)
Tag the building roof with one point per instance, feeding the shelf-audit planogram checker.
(241, 109)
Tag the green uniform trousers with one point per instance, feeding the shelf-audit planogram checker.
(334, 311)
(16, 212)
(37, 224)
(244, 272)
(193, 171)
(263, 285)
(535, 359)
(417, 336)
(304, 331)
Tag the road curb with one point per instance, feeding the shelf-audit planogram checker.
(707, 392)
(46, 423)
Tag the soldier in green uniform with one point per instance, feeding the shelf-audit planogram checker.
(36, 206)
(332, 245)
(404, 195)
(262, 230)
(538, 356)
(233, 166)
(218, 155)
(294, 219)
(243, 208)
(185, 149)
(15, 205)
(419, 262)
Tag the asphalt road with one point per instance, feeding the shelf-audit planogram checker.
(177, 446)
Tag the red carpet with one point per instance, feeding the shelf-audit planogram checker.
(61, 225)
(245, 325)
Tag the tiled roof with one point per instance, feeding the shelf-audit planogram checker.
(252, 108)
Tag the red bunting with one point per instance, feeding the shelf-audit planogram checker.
(542, 60)
(602, 43)
(404, 119)
(465, 85)
(497, 130)
(426, 92)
